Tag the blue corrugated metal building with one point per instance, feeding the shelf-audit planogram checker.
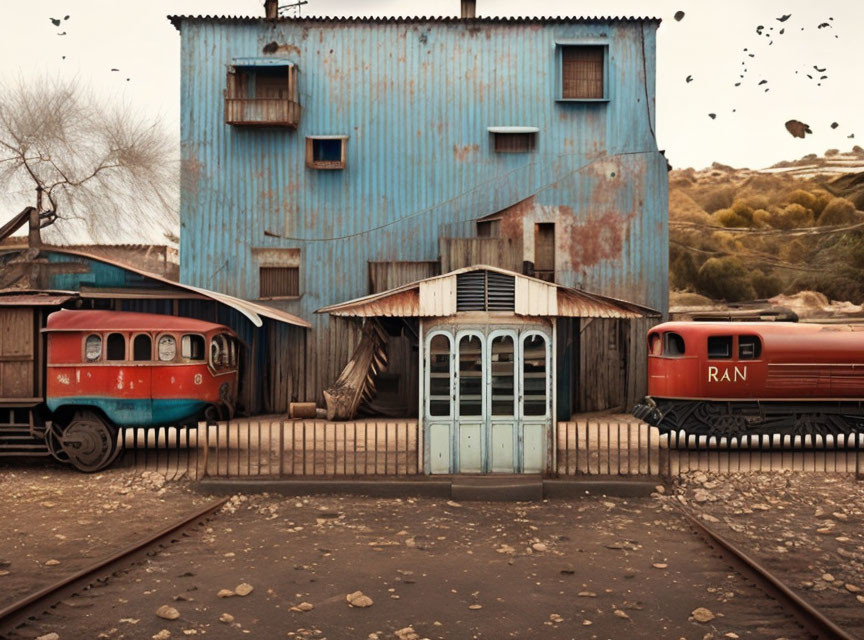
(314, 150)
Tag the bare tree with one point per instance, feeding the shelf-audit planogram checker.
(108, 172)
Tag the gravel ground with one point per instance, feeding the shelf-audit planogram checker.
(58, 521)
(590, 568)
(808, 529)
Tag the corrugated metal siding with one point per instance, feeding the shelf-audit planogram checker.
(416, 100)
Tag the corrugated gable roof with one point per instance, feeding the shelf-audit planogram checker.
(176, 20)
(404, 301)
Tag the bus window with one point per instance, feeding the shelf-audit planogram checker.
(674, 345)
(116, 348)
(749, 347)
(93, 348)
(655, 344)
(719, 347)
(215, 353)
(192, 347)
(167, 348)
(142, 347)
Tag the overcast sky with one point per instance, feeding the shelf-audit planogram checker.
(707, 44)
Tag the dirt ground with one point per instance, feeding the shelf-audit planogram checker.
(808, 529)
(57, 521)
(590, 568)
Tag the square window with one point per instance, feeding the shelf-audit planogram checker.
(326, 152)
(515, 142)
(719, 347)
(279, 282)
(583, 72)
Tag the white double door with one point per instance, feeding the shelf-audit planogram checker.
(488, 401)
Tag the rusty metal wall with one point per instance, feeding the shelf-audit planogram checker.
(415, 98)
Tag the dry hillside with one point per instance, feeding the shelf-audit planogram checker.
(738, 234)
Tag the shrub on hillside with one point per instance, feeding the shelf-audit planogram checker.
(730, 218)
(714, 198)
(682, 269)
(761, 218)
(766, 285)
(724, 279)
(793, 216)
(804, 198)
(839, 211)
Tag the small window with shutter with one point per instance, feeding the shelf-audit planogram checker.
(278, 272)
(583, 75)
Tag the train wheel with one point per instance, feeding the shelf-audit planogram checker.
(52, 441)
(89, 441)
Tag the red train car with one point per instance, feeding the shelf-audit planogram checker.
(729, 379)
(110, 369)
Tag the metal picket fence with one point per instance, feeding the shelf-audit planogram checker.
(281, 448)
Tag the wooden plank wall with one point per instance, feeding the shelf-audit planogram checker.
(384, 276)
(457, 253)
(286, 382)
(612, 363)
(17, 348)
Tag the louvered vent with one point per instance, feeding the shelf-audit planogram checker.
(500, 292)
(485, 291)
(471, 291)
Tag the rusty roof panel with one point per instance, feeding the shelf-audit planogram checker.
(33, 300)
(177, 20)
(533, 298)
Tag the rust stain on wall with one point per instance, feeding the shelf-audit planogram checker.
(597, 238)
(461, 152)
(276, 47)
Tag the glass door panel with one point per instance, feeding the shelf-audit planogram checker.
(534, 375)
(439, 386)
(502, 370)
(535, 414)
(439, 390)
(471, 422)
(470, 376)
(502, 402)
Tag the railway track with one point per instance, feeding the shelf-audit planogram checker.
(16, 616)
(808, 617)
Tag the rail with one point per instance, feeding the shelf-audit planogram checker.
(811, 618)
(16, 614)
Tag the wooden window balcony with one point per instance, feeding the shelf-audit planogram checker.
(268, 112)
(262, 92)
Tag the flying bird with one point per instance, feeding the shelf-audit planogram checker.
(834, 125)
(797, 128)
(851, 135)
(62, 34)
(820, 70)
(784, 18)
(115, 69)
(689, 79)
(679, 16)
(55, 21)
(823, 25)
(763, 82)
(712, 116)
